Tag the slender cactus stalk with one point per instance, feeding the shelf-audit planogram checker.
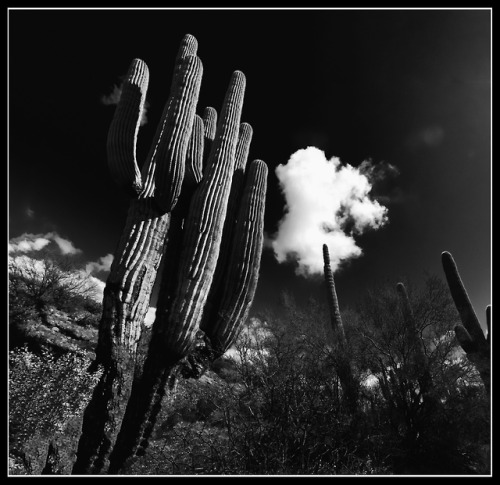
(344, 369)
(333, 303)
(469, 334)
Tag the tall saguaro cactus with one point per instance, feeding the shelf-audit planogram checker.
(185, 288)
(344, 369)
(155, 191)
(476, 345)
(184, 215)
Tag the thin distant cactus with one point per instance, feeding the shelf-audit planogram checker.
(469, 334)
(195, 211)
(344, 367)
(333, 303)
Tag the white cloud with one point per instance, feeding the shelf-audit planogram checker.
(114, 97)
(102, 264)
(98, 291)
(65, 245)
(28, 242)
(327, 202)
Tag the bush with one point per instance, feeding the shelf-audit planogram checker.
(46, 396)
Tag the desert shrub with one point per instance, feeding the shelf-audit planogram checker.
(49, 281)
(275, 410)
(47, 395)
(422, 432)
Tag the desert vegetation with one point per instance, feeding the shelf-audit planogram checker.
(398, 384)
(276, 402)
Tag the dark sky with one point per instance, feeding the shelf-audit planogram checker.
(410, 88)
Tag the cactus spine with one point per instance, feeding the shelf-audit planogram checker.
(469, 333)
(184, 190)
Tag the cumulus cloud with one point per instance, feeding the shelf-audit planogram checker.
(28, 242)
(327, 202)
(115, 95)
(102, 264)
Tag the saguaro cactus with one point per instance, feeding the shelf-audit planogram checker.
(183, 191)
(155, 191)
(333, 303)
(344, 369)
(469, 334)
(185, 288)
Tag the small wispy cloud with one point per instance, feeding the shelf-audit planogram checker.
(327, 202)
(29, 212)
(102, 264)
(114, 97)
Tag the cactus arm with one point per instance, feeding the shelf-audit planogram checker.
(235, 197)
(203, 231)
(464, 339)
(210, 122)
(188, 48)
(244, 262)
(461, 298)
(122, 136)
(469, 334)
(173, 145)
(194, 157)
